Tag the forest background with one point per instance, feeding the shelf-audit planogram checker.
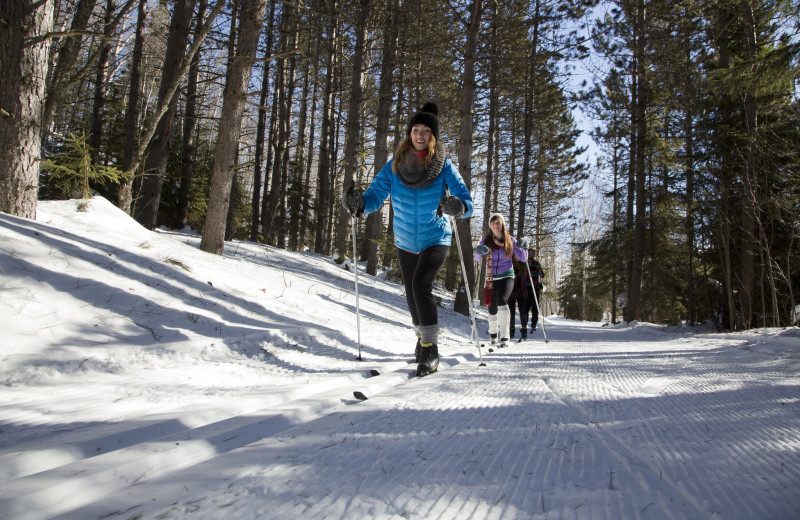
(249, 118)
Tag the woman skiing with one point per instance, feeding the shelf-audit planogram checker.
(417, 179)
(500, 248)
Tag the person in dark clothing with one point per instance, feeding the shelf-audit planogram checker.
(519, 300)
(417, 179)
(537, 275)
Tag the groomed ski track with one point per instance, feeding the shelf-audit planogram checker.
(542, 431)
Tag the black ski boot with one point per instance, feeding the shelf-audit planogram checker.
(417, 353)
(429, 359)
(523, 334)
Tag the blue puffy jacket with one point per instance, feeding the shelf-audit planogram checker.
(416, 226)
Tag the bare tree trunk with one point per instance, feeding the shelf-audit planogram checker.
(614, 229)
(461, 304)
(691, 306)
(640, 222)
(148, 201)
(269, 177)
(252, 14)
(305, 220)
(487, 192)
(125, 194)
(352, 129)
(98, 108)
(23, 60)
(230, 223)
(278, 144)
(286, 138)
(750, 201)
(230, 218)
(390, 254)
(298, 206)
(261, 130)
(189, 129)
(324, 171)
(530, 101)
(66, 60)
(388, 63)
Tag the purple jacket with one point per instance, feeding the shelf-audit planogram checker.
(500, 262)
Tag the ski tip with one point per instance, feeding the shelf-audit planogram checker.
(359, 395)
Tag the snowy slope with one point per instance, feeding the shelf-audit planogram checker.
(143, 378)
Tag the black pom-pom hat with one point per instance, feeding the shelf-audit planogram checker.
(426, 116)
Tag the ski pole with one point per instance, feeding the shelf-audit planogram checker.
(466, 284)
(536, 299)
(355, 270)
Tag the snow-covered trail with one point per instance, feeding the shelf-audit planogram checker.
(142, 379)
(597, 423)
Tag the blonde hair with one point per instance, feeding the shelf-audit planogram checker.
(407, 145)
(508, 243)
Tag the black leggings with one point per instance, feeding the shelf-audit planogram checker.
(419, 272)
(501, 291)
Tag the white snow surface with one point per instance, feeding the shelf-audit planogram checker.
(143, 378)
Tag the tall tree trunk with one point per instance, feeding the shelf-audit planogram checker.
(261, 129)
(278, 145)
(640, 222)
(750, 199)
(324, 170)
(305, 220)
(388, 64)
(299, 207)
(691, 306)
(66, 60)
(23, 60)
(230, 223)
(615, 227)
(125, 195)
(98, 108)
(390, 255)
(155, 166)
(352, 129)
(269, 165)
(230, 218)
(286, 138)
(189, 129)
(461, 304)
(530, 100)
(252, 14)
(487, 192)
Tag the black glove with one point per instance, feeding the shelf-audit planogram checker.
(353, 201)
(482, 249)
(523, 243)
(452, 206)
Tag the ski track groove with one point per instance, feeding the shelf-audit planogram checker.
(569, 409)
(667, 461)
